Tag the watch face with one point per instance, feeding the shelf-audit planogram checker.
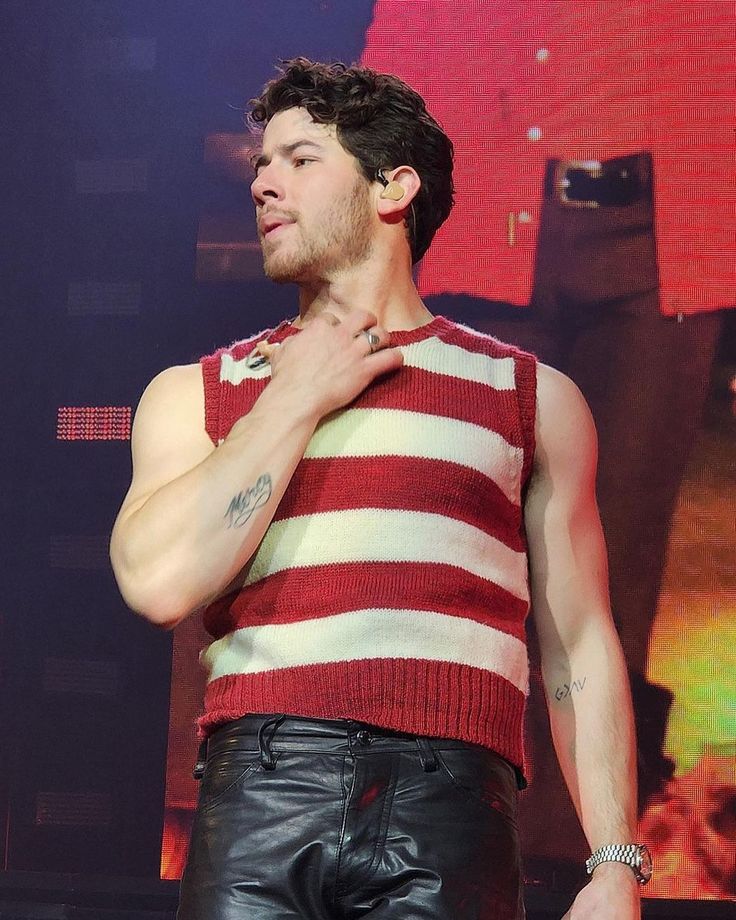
(645, 864)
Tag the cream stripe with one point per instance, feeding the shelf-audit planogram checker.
(395, 432)
(453, 361)
(429, 355)
(378, 535)
(365, 634)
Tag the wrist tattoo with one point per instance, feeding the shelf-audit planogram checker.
(243, 504)
(565, 690)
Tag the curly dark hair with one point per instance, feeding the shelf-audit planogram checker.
(380, 120)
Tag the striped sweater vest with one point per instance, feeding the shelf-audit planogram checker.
(391, 586)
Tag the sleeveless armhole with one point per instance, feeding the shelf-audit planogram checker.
(526, 389)
(210, 365)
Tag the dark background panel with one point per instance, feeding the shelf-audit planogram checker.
(107, 109)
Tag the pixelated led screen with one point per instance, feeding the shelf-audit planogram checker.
(518, 86)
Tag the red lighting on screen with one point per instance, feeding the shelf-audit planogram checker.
(93, 423)
(691, 831)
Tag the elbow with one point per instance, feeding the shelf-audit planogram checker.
(162, 616)
(162, 611)
(146, 596)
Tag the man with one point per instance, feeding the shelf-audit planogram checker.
(352, 497)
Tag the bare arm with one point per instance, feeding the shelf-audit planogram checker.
(195, 513)
(175, 545)
(583, 667)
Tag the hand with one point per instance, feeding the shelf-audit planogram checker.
(612, 894)
(330, 361)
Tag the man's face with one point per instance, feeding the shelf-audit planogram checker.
(313, 206)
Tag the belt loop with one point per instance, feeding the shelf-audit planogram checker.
(426, 755)
(201, 762)
(268, 761)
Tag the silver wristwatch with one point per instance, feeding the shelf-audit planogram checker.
(634, 855)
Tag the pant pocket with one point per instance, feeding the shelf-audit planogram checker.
(224, 775)
(482, 777)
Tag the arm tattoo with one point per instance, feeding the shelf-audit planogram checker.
(243, 504)
(565, 690)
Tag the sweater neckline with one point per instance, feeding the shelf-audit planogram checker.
(436, 325)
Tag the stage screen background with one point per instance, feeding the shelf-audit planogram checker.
(515, 85)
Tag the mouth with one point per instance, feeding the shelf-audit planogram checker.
(271, 226)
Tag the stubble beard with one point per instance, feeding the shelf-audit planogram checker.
(340, 237)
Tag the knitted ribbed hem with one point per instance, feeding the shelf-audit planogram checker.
(211, 380)
(435, 698)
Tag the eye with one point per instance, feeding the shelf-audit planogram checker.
(298, 161)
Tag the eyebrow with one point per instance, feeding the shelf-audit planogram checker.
(284, 150)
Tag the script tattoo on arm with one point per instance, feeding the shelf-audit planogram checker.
(243, 504)
(565, 690)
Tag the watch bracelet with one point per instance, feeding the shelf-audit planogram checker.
(613, 852)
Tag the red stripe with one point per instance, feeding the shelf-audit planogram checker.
(312, 592)
(413, 389)
(403, 484)
(436, 698)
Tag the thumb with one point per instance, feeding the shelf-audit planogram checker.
(266, 349)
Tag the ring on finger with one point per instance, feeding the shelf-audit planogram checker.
(373, 339)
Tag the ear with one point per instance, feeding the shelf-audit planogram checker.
(393, 206)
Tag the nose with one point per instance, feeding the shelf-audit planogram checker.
(265, 186)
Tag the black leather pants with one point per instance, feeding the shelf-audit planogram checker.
(330, 820)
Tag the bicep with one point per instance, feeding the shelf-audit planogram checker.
(568, 565)
(168, 437)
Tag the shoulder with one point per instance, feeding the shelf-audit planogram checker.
(559, 400)
(174, 391)
(565, 430)
(168, 436)
(173, 380)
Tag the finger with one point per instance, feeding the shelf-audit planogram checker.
(357, 320)
(372, 340)
(266, 349)
(385, 360)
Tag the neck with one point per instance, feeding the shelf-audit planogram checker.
(390, 294)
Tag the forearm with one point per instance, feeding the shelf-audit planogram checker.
(593, 731)
(189, 539)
